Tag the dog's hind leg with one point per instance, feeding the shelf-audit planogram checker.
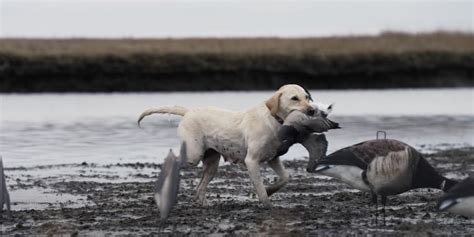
(210, 163)
(283, 175)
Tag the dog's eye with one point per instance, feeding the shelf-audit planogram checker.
(295, 98)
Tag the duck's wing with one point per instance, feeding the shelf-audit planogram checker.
(363, 153)
(319, 124)
(370, 149)
(287, 136)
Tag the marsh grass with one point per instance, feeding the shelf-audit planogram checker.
(391, 59)
(386, 43)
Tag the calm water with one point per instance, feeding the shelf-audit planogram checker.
(101, 128)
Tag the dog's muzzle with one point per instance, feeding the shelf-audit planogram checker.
(310, 111)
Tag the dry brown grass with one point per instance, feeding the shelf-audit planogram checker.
(391, 60)
(386, 43)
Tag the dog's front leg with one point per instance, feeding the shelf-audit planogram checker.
(253, 166)
(283, 175)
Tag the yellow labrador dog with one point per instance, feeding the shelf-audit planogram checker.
(248, 136)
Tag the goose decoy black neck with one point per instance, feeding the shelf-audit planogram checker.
(448, 184)
(427, 177)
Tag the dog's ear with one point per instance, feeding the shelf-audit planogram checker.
(274, 103)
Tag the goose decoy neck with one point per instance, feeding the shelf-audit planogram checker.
(427, 177)
(447, 184)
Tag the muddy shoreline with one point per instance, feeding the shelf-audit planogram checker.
(89, 199)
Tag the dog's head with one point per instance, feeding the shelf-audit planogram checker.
(289, 98)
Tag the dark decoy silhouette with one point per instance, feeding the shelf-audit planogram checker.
(383, 167)
(4, 196)
(167, 185)
(459, 199)
(298, 127)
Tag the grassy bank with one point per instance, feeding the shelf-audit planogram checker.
(391, 60)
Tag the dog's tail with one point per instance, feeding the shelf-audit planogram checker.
(178, 110)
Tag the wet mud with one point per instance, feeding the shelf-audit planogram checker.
(88, 200)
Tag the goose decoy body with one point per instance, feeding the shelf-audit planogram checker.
(167, 185)
(383, 167)
(4, 196)
(298, 126)
(459, 199)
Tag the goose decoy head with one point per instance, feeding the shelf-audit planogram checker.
(459, 199)
(167, 185)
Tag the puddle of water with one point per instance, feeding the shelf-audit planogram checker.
(40, 199)
(72, 128)
(99, 174)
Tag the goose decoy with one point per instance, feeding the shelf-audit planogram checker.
(343, 165)
(167, 185)
(383, 167)
(298, 126)
(4, 196)
(459, 199)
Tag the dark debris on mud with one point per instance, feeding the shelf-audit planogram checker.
(308, 205)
